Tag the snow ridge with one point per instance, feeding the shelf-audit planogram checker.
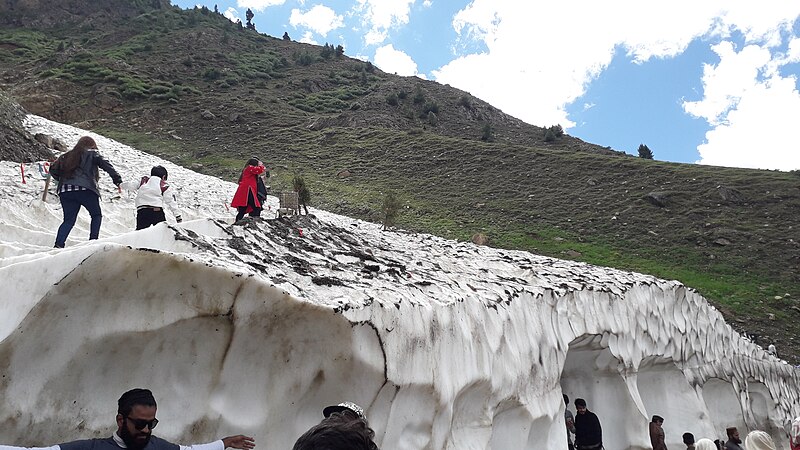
(254, 328)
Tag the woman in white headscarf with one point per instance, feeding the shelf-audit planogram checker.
(758, 440)
(705, 444)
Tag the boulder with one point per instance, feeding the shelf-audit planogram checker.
(660, 199)
(480, 239)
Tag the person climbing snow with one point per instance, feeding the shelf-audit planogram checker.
(245, 200)
(152, 193)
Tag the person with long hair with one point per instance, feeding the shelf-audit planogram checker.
(245, 200)
(77, 176)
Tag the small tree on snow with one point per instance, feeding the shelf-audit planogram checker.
(645, 152)
(390, 209)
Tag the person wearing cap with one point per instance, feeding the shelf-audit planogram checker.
(136, 419)
(733, 443)
(343, 428)
(152, 193)
(347, 408)
(588, 432)
(657, 433)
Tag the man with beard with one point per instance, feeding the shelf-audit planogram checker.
(136, 418)
(734, 443)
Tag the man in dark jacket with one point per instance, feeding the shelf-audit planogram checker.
(734, 442)
(588, 432)
(657, 433)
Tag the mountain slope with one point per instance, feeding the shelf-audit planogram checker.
(194, 88)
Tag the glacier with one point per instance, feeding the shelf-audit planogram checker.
(254, 328)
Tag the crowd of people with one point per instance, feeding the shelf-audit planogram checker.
(588, 434)
(78, 173)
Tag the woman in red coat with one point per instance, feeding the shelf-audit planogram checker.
(246, 199)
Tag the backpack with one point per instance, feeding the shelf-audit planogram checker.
(163, 184)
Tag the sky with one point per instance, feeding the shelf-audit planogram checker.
(711, 82)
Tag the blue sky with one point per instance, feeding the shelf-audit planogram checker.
(711, 82)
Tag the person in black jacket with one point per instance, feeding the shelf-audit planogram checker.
(588, 432)
(77, 176)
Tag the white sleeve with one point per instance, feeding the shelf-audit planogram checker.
(216, 445)
(52, 447)
(130, 185)
(172, 202)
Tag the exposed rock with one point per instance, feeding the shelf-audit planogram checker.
(480, 239)
(660, 199)
(234, 117)
(17, 144)
(730, 195)
(345, 173)
(207, 115)
(722, 242)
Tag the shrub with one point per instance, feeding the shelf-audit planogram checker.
(211, 73)
(549, 136)
(465, 101)
(487, 134)
(429, 107)
(391, 99)
(304, 58)
(432, 118)
(419, 96)
(390, 209)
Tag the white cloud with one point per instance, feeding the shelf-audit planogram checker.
(258, 5)
(232, 14)
(753, 110)
(382, 15)
(427, 3)
(532, 65)
(391, 60)
(320, 19)
(308, 38)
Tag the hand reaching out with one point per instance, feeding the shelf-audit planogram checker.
(239, 441)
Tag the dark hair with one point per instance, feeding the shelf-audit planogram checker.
(159, 171)
(580, 402)
(135, 397)
(730, 430)
(250, 162)
(657, 419)
(337, 432)
(69, 162)
(688, 438)
(566, 399)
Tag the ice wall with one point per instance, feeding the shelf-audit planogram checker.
(254, 328)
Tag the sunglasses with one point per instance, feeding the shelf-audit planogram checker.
(139, 424)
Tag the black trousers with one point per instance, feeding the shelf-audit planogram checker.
(147, 217)
(251, 203)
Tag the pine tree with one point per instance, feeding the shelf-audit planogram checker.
(286, 36)
(645, 152)
(249, 16)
